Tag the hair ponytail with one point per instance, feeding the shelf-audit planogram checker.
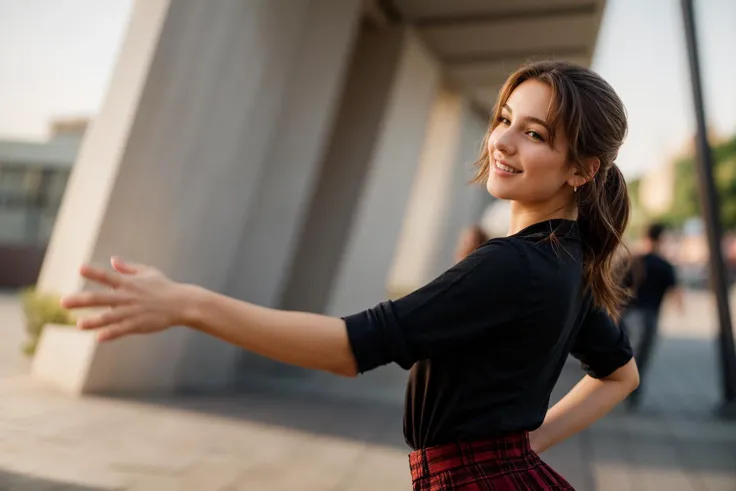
(603, 209)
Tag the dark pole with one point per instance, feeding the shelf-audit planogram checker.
(709, 204)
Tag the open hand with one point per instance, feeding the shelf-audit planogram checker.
(141, 300)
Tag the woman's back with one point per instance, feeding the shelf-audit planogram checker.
(487, 340)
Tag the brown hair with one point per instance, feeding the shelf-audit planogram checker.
(594, 119)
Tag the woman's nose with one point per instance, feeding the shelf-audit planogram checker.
(503, 143)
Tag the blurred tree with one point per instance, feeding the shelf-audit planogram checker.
(639, 216)
(686, 200)
(634, 185)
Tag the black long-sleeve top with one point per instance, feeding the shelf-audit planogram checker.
(486, 341)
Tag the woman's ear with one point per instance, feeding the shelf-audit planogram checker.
(580, 177)
(593, 165)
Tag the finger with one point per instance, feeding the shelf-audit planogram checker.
(127, 267)
(124, 267)
(114, 316)
(100, 276)
(94, 299)
(116, 331)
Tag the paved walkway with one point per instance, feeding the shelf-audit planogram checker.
(304, 434)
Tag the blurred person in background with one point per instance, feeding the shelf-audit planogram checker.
(651, 278)
(487, 340)
(470, 239)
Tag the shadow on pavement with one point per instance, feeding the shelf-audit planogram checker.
(369, 421)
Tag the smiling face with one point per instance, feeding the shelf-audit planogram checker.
(524, 165)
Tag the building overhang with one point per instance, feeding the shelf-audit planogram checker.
(480, 42)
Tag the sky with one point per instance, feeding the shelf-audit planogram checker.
(641, 52)
(57, 56)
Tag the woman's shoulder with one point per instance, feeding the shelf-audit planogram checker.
(519, 255)
(500, 253)
(500, 245)
(513, 247)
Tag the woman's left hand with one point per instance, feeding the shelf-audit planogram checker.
(142, 300)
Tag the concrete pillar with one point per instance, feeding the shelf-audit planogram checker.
(350, 236)
(279, 206)
(442, 200)
(170, 169)
(299, 144)
(468, 200)
(430, 195)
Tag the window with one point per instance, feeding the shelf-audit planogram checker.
(29, 202)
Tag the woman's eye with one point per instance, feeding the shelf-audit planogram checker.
(535, 135)
(503, 120)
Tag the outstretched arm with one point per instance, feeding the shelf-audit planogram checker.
(587, 402)
(143, 301)
(298, 338)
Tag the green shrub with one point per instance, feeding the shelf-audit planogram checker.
(41, 308)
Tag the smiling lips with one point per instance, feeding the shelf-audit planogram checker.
(505, 169)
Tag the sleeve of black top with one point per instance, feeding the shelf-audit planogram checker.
(469, 302)
(602, 346)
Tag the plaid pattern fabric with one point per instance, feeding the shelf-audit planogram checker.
(500, 464)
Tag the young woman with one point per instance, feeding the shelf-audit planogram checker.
(487, 340)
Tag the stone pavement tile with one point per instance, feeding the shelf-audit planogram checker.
(667, 453)
(199, 446)
(313, 464)
(609, 460)
(570, 459)
(165, 483)
(64, 465)
(252, 466)
(309, 413)
(11, 481)
(657, 465)
(378, 468)
(610, 477)
(206, 476)
(713, 463)
(718, 482)
(654, 479)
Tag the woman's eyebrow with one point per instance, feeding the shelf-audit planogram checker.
(529, 118)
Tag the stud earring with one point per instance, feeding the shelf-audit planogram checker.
(575, 189)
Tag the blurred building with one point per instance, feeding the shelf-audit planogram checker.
(33, 177)
(301, 154)
(657, 189)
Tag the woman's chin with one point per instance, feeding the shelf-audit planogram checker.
(498, 191)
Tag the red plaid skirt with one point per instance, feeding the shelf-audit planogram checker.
(500, 464)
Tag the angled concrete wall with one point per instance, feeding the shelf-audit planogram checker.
(349, 240)
(442, 202)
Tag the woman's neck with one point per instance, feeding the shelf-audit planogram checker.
(522, 216)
